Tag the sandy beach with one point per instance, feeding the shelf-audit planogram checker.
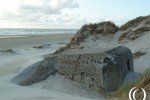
(22, 51)
(74, 50)
(24, 55)
(28, 41)
(19, 52)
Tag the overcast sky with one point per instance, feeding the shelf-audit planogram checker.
(68, 13)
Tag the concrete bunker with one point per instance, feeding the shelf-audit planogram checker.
(103, 72)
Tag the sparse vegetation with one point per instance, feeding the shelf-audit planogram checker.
(60, 50)
(141, 30)
(8, 51)
(106, 28)
(142, 82)
(41, 46)
(132, 35)
(138, 54)
(147, 23)
(132, 23)
(83, 28)
(128, 31)
(87, 30)
(122, 36)
(122, 92)
(91, 28)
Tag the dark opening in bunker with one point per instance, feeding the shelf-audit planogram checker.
(128, 65)
(82, 75)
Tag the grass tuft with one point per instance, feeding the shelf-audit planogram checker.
(142, 82)
(138, 54)
(41, 46)
(8, 51)
(132, 35)
(132, 23)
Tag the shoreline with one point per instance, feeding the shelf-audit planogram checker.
(28, 41)
(32, 35)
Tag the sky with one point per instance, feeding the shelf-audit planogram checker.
(68, 14)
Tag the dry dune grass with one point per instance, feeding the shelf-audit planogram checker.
(7, 51)
(41, 46)
(144, 83)
(138, 54)
(132, 35)
(127, 31)
(133, 23)
(122, 92)
(103, 28)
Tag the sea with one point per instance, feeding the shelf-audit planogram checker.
(26, 31)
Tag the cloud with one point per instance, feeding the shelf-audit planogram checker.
(48, 6)
(39, 9)
(42, 13)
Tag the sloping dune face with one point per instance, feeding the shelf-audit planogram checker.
(88, 31)
(134, 29)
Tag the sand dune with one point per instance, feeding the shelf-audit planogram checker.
(56, 87)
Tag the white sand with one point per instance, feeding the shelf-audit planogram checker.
(28, 41)
(26, 55)
(56, 87)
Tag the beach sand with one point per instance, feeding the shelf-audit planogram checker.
(28, 41)
(56, 87)
(18, 51)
